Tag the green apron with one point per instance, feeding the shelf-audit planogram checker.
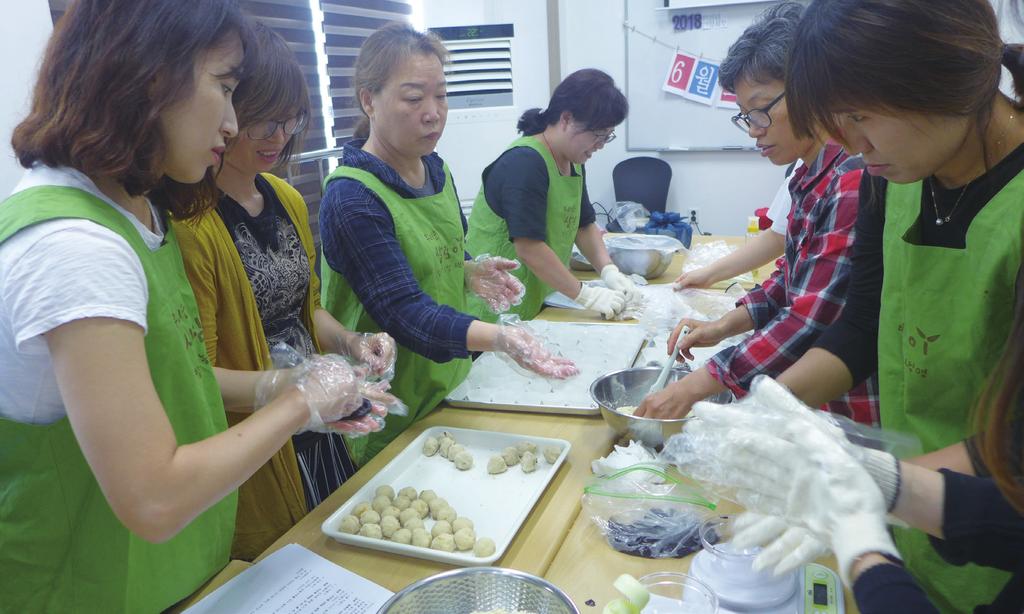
(488, 232)
(944, 321)
(429, 230)
(62, 549)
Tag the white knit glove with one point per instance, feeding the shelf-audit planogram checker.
(786, 547)
(785, 465)
(614, 279)
(603, 300)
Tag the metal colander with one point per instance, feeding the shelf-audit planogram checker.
(482, 589)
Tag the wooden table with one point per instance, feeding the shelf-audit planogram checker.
(537, 542)
(557, 541)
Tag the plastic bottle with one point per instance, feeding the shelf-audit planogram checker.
(753, 229)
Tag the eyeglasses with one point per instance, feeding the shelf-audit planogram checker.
(264, 130)
(758, 118)
(603, 139)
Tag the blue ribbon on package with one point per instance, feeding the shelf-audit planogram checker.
(671, 224)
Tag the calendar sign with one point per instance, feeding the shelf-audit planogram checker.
(727, 100)
(703, 82)
(679, 73)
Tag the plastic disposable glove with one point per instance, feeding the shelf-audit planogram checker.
(375, 350)
(785, 547)
(516, 341)
(614, 279)
(603, 300)
(809, 479)
(329, 386)
(489, 278)
(336, 394)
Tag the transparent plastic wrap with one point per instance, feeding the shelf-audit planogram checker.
(644, 511)
(710, 448)
(519, 343)
(630, 215)
(645, 255)
(490, 278)
(704, 254)
(709, 304)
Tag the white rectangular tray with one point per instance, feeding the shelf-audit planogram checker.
(597, 349)
(497, 504)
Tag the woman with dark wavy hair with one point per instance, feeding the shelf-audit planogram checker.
(533, 204)
(118, 470)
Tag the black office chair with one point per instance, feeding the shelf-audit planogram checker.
(644, 180)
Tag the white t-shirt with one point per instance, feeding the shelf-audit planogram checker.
(52, 273)
(778, 211)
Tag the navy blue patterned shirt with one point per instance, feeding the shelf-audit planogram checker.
(358, 237)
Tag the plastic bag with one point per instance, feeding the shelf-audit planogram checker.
(630, 215)
(697, 451)
(644, 511)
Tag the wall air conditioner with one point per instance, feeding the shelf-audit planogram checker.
(481, 115)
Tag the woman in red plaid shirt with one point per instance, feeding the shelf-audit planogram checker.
(807, 292)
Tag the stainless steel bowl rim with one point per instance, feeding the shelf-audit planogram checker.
(467, 571)
(593, 395)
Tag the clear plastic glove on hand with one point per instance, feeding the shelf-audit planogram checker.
(375, 350)
(603, 300)
(614, 279)
(489, 278)
(335, 392)
(518, 342)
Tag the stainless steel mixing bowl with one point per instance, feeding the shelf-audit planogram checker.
(629, 387)
(480, 589)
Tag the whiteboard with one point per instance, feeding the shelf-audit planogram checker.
(662, 121)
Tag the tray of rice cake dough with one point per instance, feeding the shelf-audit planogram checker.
(495, 382)
(493, 501)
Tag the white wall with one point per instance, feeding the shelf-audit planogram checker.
(725, 187)
(23, 32)
(475, 137)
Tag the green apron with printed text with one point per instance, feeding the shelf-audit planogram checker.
(62, 549)
(945, 318)
(429, 231)
(488, 232)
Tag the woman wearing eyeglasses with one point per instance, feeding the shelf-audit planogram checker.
(533, 204)
(250, 262)
(789, 310)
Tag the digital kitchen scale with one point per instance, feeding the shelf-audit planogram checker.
(814, 589)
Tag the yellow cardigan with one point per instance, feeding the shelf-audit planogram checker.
(272, 500)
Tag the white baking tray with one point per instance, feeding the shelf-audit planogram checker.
(497, 504)
(597, 349)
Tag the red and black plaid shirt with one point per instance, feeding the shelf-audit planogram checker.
(808, 288)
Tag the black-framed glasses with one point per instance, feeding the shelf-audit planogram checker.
(264, 130)
(603, 139)
(758, 118)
